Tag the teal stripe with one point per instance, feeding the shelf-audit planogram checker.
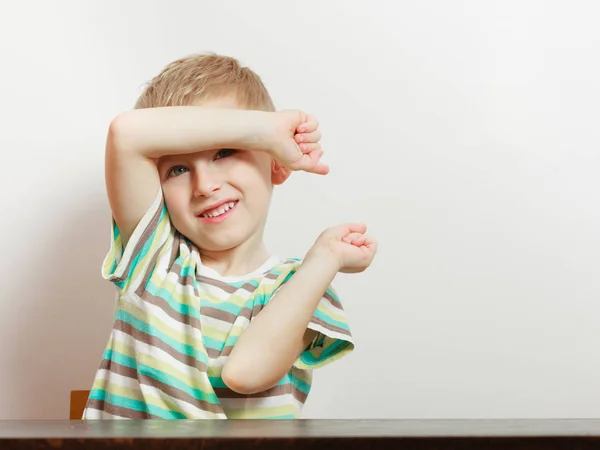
(216, 344)
(118, 400)
(165, 413)
(170, 380)
(97, 394)
(140, 325)
(121, 359)
(116, 231)
(309, 358)
(226, 305)
(147, 246)
(186, 310)
(217, 382)
(328, 319)
(300, 384)
(186, 270)
(333, 295)
(239, 284)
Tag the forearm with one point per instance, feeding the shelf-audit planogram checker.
(272, 342)
(156, 132)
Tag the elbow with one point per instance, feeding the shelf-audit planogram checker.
(118, 131)
(245, 382)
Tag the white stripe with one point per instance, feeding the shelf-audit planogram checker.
(96, 414)
(161, 319)
(329, 333)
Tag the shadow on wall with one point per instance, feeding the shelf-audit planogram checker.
(64, 315)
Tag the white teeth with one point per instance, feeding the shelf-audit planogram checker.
(219, 211)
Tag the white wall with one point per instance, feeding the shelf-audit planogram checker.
(465, 133)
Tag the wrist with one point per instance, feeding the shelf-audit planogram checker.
(322, 259)
(261, 131)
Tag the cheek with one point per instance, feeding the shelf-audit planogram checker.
(175, 197)
(252, 174)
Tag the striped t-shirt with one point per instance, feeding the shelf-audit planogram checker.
(176, 322)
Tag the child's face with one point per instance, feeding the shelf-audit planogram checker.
(238, 183)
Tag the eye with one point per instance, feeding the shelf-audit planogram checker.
(224, 153)
(176, 171)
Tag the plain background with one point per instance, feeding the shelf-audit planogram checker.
(464, 133)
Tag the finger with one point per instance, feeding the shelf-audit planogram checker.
(350, 237)
(308, 148)
(318, 169)
(359, 241)
(346, 229)
(310, 124)
(370, 245)
(314, 136)
(310, 163)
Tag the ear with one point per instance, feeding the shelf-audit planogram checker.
(279, 173)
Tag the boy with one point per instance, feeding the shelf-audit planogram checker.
(208, 324)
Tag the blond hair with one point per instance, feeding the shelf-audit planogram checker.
(199, 77)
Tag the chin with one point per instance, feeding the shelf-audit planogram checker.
(220, 246)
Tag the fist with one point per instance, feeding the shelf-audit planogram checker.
(295, 141)
(348, 246)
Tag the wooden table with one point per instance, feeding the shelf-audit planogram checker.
(330, 434)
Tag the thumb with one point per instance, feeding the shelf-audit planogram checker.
(342, 230)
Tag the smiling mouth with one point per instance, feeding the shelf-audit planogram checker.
(218, 211)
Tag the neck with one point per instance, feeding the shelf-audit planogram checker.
(236, 261)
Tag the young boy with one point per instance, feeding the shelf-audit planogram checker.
(208, 324)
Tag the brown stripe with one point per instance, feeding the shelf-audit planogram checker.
(330, 327)
(155, 342)
(218, 314)
(149, 270)
(188, 280)
(278, 390)
(214, 353)
(119, 369)
(152, 265)
(215, 313)
(175, 249)
(332, 300)
(250, 288)
(143, 238)
(117, 410)
(160, 302)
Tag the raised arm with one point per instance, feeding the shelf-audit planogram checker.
(136, 139)
(275, 338)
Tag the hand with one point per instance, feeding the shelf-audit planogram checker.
(347, 246)
(295, 142)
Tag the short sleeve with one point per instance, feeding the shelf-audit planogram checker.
(333, 339)
(128, 267)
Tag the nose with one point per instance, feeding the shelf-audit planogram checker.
(206, 181)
